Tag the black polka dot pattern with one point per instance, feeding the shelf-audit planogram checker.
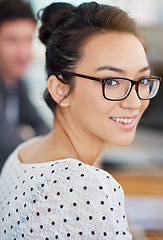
(66, 193)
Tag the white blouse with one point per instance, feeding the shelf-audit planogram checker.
(64, 199)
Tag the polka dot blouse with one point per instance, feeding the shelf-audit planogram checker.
(64, 199)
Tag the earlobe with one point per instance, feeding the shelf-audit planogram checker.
(58, 91)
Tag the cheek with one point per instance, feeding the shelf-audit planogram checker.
(90, 105)
(145, 104)
(7, 52)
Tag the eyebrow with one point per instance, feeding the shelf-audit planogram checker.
(145, 69)
(115, 69)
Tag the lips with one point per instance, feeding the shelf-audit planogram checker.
(124, 122)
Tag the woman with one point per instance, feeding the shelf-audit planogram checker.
(99, 85)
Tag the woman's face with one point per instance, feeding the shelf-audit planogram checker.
(109, 121)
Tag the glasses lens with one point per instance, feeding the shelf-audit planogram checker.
(116, 89)
(148, 88)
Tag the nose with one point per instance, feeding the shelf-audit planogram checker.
(132, 101)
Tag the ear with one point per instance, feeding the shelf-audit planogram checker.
(58, 91)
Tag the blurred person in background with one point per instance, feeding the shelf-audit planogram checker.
(18, 117)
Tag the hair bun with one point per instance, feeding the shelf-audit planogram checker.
(51, 17)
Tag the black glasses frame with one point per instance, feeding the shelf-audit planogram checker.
(104, 80)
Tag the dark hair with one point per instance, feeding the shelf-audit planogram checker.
(66, 28)
(15, 9)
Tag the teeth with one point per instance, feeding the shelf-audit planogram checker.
(123, 120)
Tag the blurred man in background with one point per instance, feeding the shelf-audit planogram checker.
(18, 118)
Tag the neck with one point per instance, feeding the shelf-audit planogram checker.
(75, 143)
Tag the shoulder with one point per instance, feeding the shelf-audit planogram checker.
(64, 177)
(93, 177)
(65, 172)
(72, 180)
(67, 193)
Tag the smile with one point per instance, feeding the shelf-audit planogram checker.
(123, 120)
(126, 123)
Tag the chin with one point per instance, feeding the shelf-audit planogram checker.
(125, 143)
(18, 74)
(124, 140)
(19, 71)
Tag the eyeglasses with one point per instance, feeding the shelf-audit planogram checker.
(116, 89)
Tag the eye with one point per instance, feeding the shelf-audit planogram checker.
(144, 82)
(112, 82)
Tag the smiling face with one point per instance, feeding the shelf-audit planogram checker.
(108, 55)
